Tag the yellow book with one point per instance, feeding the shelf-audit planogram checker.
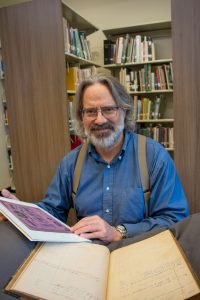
(72, 78)
(155, 268)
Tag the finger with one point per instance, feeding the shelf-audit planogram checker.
(5, 193)
(2, 218)
(85, 222)
(91, 227)
(92, 235)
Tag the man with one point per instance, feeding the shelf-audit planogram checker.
(110, 200)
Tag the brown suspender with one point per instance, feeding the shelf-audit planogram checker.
(72, 218)
(143, 174)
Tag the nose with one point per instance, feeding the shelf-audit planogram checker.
(100, 119)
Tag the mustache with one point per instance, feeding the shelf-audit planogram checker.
(96, 127)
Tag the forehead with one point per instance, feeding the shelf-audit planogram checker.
(97, 95)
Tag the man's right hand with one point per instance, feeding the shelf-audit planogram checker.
(5, 193)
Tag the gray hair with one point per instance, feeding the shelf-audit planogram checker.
(119, 94)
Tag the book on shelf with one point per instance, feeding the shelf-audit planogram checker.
(66, 35)
(124, 48)
(35, 223)
(1, 69)
(109, 48)
(149, 78)
(72, 78)
(169, 75)
(155, 268)
(156, 112)
(159, 133)
(10, 160)
(87, 72)
(70, 99)
(146, 109)
(75, 41)
(129, 49)
(85, 47)
(6, 116)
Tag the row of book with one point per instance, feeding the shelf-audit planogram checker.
(148, 78)
(76, 42)
(146, 109)
(3, 100)
(163, 135)
(74, 75)
(10, 160)
(1, 69)
(5, 116)
(70, 113)
(129, 49)
(2, 93)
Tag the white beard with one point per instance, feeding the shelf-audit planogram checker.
(107, 141)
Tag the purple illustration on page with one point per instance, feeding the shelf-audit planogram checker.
(34, 218)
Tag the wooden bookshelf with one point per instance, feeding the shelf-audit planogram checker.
(186, 48)
(76, 20)
(35, 70)
(78, 56)
(156, 27)
(150, 92)
(71, 58)
(6, 175)
(33, 53)
(156, 121)
(133, 64)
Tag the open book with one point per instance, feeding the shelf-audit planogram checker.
(154, 268)
(35, 223)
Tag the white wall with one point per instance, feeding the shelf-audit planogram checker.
(108, 14)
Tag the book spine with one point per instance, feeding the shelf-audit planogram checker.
(108, 52)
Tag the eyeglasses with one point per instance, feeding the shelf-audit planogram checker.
(106, 111)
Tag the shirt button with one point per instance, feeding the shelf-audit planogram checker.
(120, 157)
(107, 188)
(108, 166)
(107, 210)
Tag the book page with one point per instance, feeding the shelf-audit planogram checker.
(151, 269)
(35, 218)
(36, 223)
(66, 271)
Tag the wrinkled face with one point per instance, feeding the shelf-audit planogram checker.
(103, 120)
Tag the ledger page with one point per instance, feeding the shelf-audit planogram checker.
(66, 271)
(151, 269)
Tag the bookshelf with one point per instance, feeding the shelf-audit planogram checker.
(186, 47)
(6, 176)
(141, 58)
(35, 86)
(79, 59)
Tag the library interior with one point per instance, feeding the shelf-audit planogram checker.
(58, 57)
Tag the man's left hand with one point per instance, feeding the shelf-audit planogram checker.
(95, 227)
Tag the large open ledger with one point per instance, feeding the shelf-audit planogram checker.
(155, 268)
(35, 223)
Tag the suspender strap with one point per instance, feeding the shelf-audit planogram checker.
(78, 169)
(144, 170)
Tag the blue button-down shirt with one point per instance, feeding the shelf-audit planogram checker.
(114, 191)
